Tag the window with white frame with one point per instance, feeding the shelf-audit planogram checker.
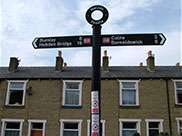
(154, 127)
(36, 127)
(16, 93)
(129, 93)
(102, 127)
(11, 127)
(178, 91)
(71, 127)
(129, 126)
(72, 93)
(179, 124)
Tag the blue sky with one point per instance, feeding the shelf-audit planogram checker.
(23, 20)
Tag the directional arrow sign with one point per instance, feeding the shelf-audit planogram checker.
(106, 40)
(133, 39)
(61, 42)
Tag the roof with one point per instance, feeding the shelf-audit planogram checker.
(115, 72)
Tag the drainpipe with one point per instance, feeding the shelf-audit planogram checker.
(169, 110)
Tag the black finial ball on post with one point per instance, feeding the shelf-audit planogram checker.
(90, 20)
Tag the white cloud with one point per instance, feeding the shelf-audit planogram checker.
(119, 10)
(171, 51)
(81, 58)
(25, 20)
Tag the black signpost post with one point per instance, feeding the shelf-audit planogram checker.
(96, 41)
(96, 80)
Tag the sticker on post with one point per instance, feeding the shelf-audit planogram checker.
(95, 118)
(95, 133)
(95, 129)
(95, 125)
(95, 102)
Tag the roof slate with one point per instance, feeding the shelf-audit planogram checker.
(115, 72)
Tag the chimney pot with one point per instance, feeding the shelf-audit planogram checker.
(59, 53)
(59, 61)
(105, 53)
(13, 65)
(65, 64)
(177, 64)
(105, 61)
(149, 53)
(141, 64)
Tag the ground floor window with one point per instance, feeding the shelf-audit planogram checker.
(36, 127)
(70, 127)
(179, 125)
(129, 126)
(154, 127)
(11, 127)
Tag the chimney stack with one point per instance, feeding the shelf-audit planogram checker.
(105, 61)
(141, 64)
(150, 62)
(59, 62)
(13, 65)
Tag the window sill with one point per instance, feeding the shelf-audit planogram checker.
(178, 105)
(15, 106)
(71, 107)
(130, 106)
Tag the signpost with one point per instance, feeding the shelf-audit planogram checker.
(62, 42)
(96, 40)
(106, 40)
(133, 39)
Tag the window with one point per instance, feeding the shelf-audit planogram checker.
(154, 127)
(129, 126)
(179, 124)
(72, 93)
(129, 93)
(102, 127)
(11, 127)
(36, 127)
(71, 127)
(178, 91)
(16, 93)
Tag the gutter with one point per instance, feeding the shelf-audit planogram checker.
(169, 110)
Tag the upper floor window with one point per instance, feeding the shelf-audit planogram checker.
(16, 93)
(129, 93)
(154, 127)
(129, 126)
(179, 124)
(70, 127)
(11, 127)
(178, 91)
(72, 93)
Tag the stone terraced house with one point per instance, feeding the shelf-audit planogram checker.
(55, 101)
